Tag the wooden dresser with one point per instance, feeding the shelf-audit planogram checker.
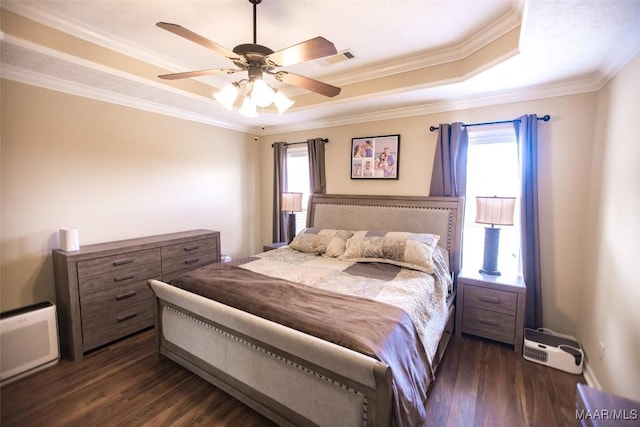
(491, 307)
(101, 289)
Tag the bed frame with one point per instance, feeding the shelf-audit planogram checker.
(288, 376)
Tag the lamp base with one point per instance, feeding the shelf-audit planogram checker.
(491, 245)
(291, 232)
(491, 273)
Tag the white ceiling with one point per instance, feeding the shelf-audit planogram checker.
(411, 56)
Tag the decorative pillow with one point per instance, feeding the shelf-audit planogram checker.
(321, 241)
(403, 249)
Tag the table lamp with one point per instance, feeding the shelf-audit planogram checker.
(493, 211)
(291, 203)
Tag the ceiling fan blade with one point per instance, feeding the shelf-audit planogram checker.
(318, 47)
(307, 83)
(186, 74)
(196, 38)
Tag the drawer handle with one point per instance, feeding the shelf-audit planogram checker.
(123, 278)
(191, 248)
(126, 317)
(191, 260)
(125, 296)
(119, 262)
(489, 300)
(488, 322)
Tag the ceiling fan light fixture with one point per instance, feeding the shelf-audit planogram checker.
(227, 96)
(248, 108)
(261, 93)
(257, 59)
(281, 102)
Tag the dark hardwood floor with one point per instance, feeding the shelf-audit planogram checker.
(480, 383)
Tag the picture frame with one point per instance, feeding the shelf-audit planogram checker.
(375, 157)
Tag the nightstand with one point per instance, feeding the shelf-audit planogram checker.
(491, 307)
(272, 246)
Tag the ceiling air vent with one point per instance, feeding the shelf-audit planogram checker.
(338, 57)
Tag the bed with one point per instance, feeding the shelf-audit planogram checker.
(304, 372)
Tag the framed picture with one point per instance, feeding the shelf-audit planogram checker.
(375, 157)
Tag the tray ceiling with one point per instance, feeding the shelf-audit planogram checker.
(410, 57)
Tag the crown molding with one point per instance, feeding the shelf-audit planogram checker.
(28, 54)
(435, 57)
(505, 97)
(620, 57)
(27, 75)
(462, 103)
(40, 14)
(34, 78)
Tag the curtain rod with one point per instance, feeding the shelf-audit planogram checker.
(325, 140)
(545, 118)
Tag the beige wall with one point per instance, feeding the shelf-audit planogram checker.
(609, 310)
(564, 164)
(114, 173)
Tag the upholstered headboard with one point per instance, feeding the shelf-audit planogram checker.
(437, 215)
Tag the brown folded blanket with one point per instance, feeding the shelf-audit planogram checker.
(378, 330)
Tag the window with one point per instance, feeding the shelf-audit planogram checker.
(298, 179)
(492, 170)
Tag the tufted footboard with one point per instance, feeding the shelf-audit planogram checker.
(288, 376)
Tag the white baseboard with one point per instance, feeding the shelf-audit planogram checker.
(590, 377)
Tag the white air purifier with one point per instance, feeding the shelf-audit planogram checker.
(552, 349)
(28, 341)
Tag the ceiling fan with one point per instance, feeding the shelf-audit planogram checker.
(258, 60)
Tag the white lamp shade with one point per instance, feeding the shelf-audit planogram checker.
(495, 210)
(291, 202)
(282, 102)
(248, 108)
(261, 94)
(227, 96)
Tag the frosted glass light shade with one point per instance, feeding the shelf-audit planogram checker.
(282, 102)
(227, 96)
(261, 93)
(248, 108)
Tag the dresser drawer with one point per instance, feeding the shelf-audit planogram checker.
(488, 324)
(188, 261)
(189, 248)
(490, 299)
(113, 313)
(119, 262)
(120, 277)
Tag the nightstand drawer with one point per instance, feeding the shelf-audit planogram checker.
(488, 324)
(490, 299)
